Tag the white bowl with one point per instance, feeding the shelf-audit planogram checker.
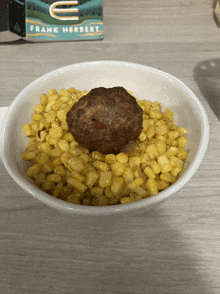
(145, 83)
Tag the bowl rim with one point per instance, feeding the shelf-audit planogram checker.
(114, 209)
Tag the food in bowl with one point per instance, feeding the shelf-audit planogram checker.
(65, 169)
(105, 120)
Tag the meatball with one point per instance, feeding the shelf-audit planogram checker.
(105, 120)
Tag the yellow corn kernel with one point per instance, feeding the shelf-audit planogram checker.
(96, 191)
(68, 137)
(182, 141)
(126, 200)
(54, 153)
(175, 161)
(182, 131)
(64, 125)
(63, 145)
(57, 190)
(152, 152)
(160, 138)
(84, 157)
(52, 92)
(35, 168)
(40, 178)
(161, 130)
(53, 178)
(117, 185)
(164, 163)
(145, 159)
(182, 153)
(91, 178)
(50, 116)
(149, 172)
(142, 137)
(108, 193)
(41, 136)
(172, 151)
(167, 177)
(28, 155)
(117, 168)
(151, 186)
(141, 192)
(176, 170)
(46, 186)
(77, 184)
(100, 200)
(76, 150)
(44, 147)
(27, 130)
(42, 158)
(43, 99)
(155, 114)
(38, 108)
(61, 114)
(145, 125)
(56, 133)
(162, 185)
(65, 92)
(76, 164)
(128, 175)
(35, 126)
(59, 170)
(57, 161)
(105, 179)
(122, 157)
(96, 155)
(101, 165)
(37, 116)
(64, 99)
(51, 141)
(173, 135)
(155, 167)
(150, 132)
(47, 167)
(167, 115)
(77, 176)
(73, 199)
(135, 183)
(88, 168)
(161, 147)
(110, 158)
(134, 162)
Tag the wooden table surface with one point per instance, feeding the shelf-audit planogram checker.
(172, 249)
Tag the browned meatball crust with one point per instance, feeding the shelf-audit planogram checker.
(105, 120)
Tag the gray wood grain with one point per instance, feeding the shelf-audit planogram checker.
(172, 249)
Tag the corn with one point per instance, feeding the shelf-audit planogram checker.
(59, 170)
(117, 168)
(134, 162)
(101, 165)
(155, 167)
(110, 158)
(77, 176)
(128, 175)
(167, 177)
(53, 178)
(122, 157)
(91, 179)
(149, 172)
(181, 142)
(27, 130)
(105, 179)
(182, 153)
(34, 169)
(151, 186)
(117, 185)
(63, 145)
(77, 184)
(135, 183)
(76, 164)
(96, 191)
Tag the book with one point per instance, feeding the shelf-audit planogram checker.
(51, 20)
